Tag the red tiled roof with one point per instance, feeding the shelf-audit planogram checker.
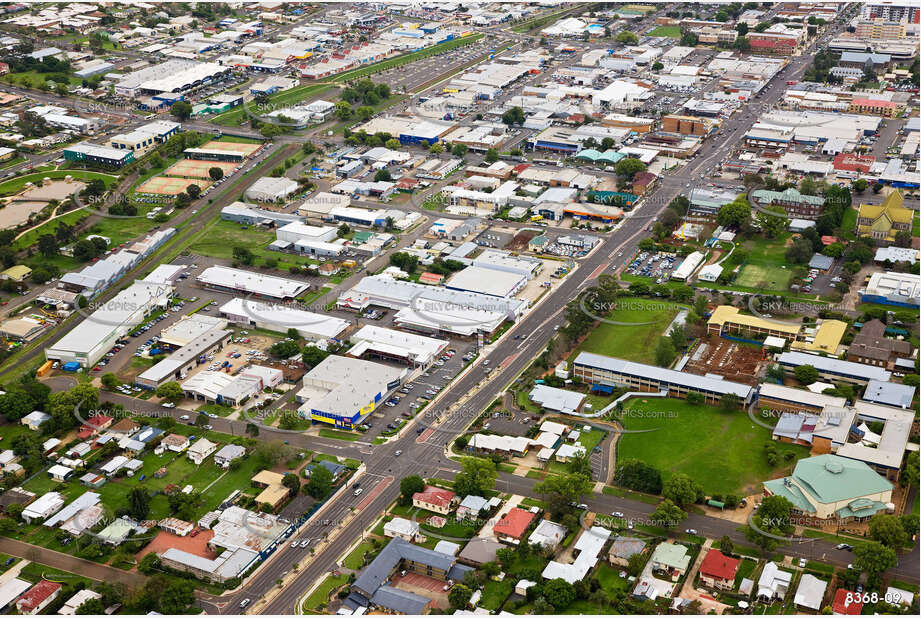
(719, 566)
(844, 606)
(36, 595)
(852, 163)
(435, 496)
(520, 168)
(514, 523)
(99, 420)
(872, 102)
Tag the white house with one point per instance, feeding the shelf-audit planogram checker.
(200, 451)
(399, 527)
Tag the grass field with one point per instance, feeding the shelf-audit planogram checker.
(355, 560)
(222, 236)
(673, 32)
(319, 596)
(15, 185)
(339, 435)
(645, 320)
(723, 451)
(765, 277)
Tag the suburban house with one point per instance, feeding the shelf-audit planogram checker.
(34, 420)
(227, 454)
(471, 506)
(401, 528)
(513, 526)
(175, 443)
(671, 559)
(548, 534)
(846, 603)
(38, 597)
(274, 492)
(434, 499)
(773, 583)
(623, 547)
(718, 570)
(810, 592)
(200, 451)
(73, 603)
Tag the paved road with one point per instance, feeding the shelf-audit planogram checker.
(71, 564)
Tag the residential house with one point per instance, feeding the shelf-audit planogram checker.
(227, 454)
(274, 492)
(671, 559)
(548, 534)
(44, 507)
(200, 451)
(623, 548)
(718, 570)
(883, 221)
(810, 592)
(401, 528)
(38, 597)
(773, 583)
(34, 420)
(846, 603)
(73, 603)
(513, 526)
(435, 499)
(175, 443)
(470, 507)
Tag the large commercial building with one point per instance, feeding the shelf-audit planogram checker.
(834, 369)
(246, 282)
(146, 137)
(170, 79)
(828, 486)
(344, 391)
(84, 152)
(727, 319)
(892, 288)
(280, 318)
(410, 348)
(432, 309)
(89, 340)
(607, 371)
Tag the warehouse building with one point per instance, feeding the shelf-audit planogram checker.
(506, 262)
(146, 137)
(499, 283)
(245, 282)
(172, 78)
(892, 288)
(344, 391)
(432, 309)
(84, 152)
(386, 343)
(89, 340)
(178, 364)
(280, 318)
(240, 212)
(268, 189)
(608, 371)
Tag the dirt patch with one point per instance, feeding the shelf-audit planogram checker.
(520, 241)
(424, 586)
(53, 190)
(733, 361)
(197, 545)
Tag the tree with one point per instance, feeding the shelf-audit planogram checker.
(513, 116)
(726, 545)
(667, 514)
(888, 530)
(492, 155)
(138, 503)
(773, 225)
(681, 490)
(770, 522)
(364, 113)
(678, 336)
(215, 173)
(343, 110)
(626, 37)
(665, 352)
(860, 185)
(800, 251)
(657, 66)
(292, 482)
(734, 213)
(874, 558)
(392, 144)
(15, 404)
(629, 167)
(181, 110)
(459, 596)
(806, 374)
(91, 606)
(170, 391)
(436, 149)
(410, 485)
(194, 191)
(459, 150)
(638, 476)
(320, 483)
(561, 490)
(382, 175)
(48, 245)
(729, 402)
(284, 349)
(313, 356)
(477, 476)
(559, 593)
(242, 254)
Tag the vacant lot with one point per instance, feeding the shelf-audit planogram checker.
(669, 31)
(723, 451)
(642, 322)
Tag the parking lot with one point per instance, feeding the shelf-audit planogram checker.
(413, 75)
(658, 266)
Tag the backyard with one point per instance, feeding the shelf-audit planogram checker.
(643, 322)
(723, 451)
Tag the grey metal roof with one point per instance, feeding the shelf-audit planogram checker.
(889, 393)
(401, 601)
(669, 376)
(376, 573)
(834, 366)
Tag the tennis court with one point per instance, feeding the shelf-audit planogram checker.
(193, 168)
(166, 185)
(248, 149)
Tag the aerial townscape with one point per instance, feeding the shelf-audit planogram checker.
(470, 308)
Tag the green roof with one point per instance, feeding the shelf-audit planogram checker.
(861, 507)
(791, 492)
(830, 478)
(672, 555)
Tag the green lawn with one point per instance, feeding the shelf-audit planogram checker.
(673, 32)
(319, 596)
(15, 185)
(221, 237)
(355, 560)
(849, 223)
(495, 593)
(644, 321)
(610, 580)
(764, 277)
(339, 435)
(723, 451)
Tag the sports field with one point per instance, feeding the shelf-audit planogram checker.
(246, 148)
(764, 277)
(193, 168)
(723, 451)
(167, 185)
(641, 323)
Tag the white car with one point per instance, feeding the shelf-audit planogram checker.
(169, 405)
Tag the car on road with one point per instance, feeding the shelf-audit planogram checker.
(357, 492)
(294, 543)
(617, 514)
(305, 543)
(690, 531)
(398, 453)
(244, 603)
(184, 417)
(169, 405)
